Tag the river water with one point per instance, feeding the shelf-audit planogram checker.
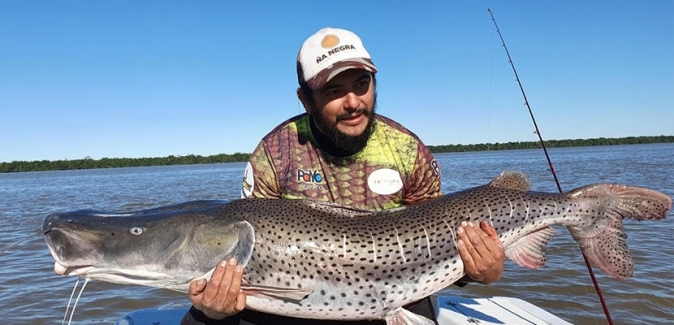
(30, 293)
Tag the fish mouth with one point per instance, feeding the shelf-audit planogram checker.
(78, 270)
(113, 275)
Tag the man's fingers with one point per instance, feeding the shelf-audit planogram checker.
(487, 228)
(222, 296)
(197, 287)
(235, 283)
(240, 301)
(475, 240)
(227, 276)
(213, 285)
(466, 250)
(236, 279)
(481, 251)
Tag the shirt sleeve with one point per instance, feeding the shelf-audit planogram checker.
(196, 317)
(259, 179)
(425, 178)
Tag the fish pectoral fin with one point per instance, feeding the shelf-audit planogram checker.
(287, 294)
(401, 316)
(529, 251)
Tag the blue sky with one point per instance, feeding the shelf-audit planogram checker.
(158, 78)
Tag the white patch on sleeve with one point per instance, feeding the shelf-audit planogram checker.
(248, 183)
(384, 181)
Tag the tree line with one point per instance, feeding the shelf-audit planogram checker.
(551, 144)
(88, 163)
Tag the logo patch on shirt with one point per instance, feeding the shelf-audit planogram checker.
(309, 176)
(384, 181)
(435, 166)
(248, 183)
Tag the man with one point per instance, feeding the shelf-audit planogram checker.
(339, 151)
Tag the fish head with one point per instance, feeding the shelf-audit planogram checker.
(161, 249)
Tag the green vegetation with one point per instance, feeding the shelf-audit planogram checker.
(551, 144)
(88, 163)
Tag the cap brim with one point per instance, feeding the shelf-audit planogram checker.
(326, 75)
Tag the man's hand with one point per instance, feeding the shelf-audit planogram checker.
(221, 297)
(481, 252)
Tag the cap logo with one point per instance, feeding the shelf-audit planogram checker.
(329, 41)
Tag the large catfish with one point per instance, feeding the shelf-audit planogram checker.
(324, 261)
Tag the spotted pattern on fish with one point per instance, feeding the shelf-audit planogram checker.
(370, 264)
(325, 261)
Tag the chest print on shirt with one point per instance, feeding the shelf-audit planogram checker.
(309, 179)
(384, 181)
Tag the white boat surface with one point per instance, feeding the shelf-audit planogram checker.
(449, 310)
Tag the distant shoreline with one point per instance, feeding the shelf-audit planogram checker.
(89, 163)
(552, 144)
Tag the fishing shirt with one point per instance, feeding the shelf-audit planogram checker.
(393, 169)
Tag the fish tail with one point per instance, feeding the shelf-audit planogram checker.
(603, 239)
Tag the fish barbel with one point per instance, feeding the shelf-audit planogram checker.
(325, 261)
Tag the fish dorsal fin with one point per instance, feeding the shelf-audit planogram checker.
(512, 179)
(529, 251)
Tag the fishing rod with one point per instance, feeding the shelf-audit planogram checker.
(552, 168)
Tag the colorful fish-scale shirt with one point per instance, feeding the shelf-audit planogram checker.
(393, 169)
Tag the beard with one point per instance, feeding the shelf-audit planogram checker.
(344, 142)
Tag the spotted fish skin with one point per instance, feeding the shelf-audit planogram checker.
(325, 261)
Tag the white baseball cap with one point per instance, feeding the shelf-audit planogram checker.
(329, 52)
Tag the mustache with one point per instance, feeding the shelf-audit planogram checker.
(357, 111)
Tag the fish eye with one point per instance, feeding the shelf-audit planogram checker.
(136, 230)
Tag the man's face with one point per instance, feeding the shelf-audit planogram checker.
(344, 108)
